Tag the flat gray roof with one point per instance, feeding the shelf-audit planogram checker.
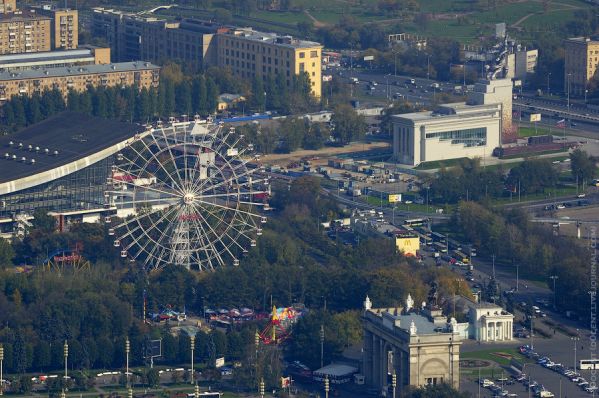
(45, 56)
(461, 110)
(271, 38)
(76, 71)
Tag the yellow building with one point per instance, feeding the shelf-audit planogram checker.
(248, 53)
(24, 32)
(27, 82)
(8, 6)
(581, 60)
(65, 28)
(407, 243)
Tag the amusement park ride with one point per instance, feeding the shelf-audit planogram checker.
(66, 259)
(277, 329)
(187, 194)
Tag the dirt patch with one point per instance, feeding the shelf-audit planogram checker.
(282, 159)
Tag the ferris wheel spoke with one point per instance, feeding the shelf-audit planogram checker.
(231, 226)
(205, 235)
(227, 208)
(226, 247)
(181, 183)
(153, 156)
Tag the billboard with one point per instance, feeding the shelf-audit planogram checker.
(369, 58)
(535, 117)
(394, 197)
(219, 362)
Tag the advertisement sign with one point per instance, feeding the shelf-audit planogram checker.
(369, 58)
(219, 362)
(394, 197)
(535, 117)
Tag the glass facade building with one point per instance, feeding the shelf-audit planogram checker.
(467, 137)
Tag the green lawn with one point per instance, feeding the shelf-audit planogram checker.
(532, 131)
(488, 355)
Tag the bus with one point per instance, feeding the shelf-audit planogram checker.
(454, 244)
(426, 240)
(414, 222)
(440, 247)
(459, 256)
(586, 364)
(437, 237)
(470, 250)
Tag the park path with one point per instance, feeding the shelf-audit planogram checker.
(565, 6)
(316, 22)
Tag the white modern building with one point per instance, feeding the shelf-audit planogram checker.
(451, 131)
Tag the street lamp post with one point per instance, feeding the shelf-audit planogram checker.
(127, 350)
(569, 94)
(1, 370)
(548, 76)
(394, 382)
(261, 388)
(321, 346)
(196, 392)
(326, 386)
(66, 357)
(575, 339)
(554, 278)
(428, 67)
(192, 340)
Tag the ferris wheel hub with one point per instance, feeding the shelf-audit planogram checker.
(189, 198)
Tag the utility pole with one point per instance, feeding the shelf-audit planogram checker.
(493, 266)
(554, 278)
(326, 386)
(394, 382)
(261, 388)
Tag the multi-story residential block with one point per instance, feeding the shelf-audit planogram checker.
(248, 53)
(134, 37)
(141, 74)
(8, 6)
(65, 27)
(581, 60)
(24, 31)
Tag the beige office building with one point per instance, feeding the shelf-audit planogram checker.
(248, 53)
(580, 64)
(141, 74)
(24, 32)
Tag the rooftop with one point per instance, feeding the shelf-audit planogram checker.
(22, 15)
(423, 324)
(272, 38)
(76, 71)
(45, 56)
(73, 135)
(458, 110)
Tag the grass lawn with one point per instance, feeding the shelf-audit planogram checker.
(532, 131)
(489, 355)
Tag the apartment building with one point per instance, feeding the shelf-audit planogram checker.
(133, 36)
(8, 6)
(248, 53)
(86, 55)
(65, 27)
(24, 31)
(142, 74)
(581, 60)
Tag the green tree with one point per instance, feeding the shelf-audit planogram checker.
(347, 124)
(153, 378)
(7, 253)
(582, 166)
(25, 384)
(258, 99)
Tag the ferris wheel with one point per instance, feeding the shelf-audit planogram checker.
(188, 194)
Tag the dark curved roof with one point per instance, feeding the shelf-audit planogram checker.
(73, 135)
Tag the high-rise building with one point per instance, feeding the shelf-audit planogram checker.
(581, 60)
(65, 27)
(8, 6)
(24, 31)
(248, 53)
